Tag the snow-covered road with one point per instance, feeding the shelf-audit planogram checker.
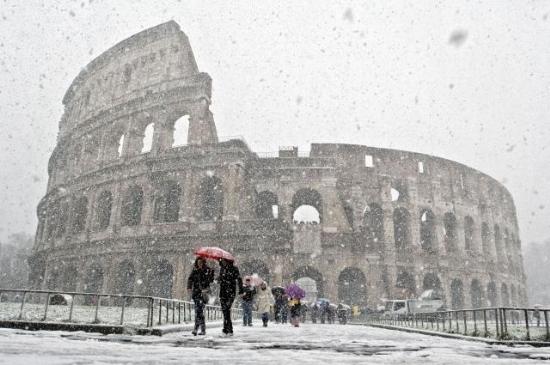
(278, 344)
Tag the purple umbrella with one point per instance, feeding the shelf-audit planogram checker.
(294, 291)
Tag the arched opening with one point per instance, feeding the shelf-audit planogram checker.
(432, 282)
(70, 276)
(54, 218)
(401, 229)
(427, 231)
(104, 205)
(449, 223)
(211, 198)
(125, 278)
(311, 281)
(352, 287)
(468, 233)
(505, 296)
(457, 294)
(147, 141)
(492, 294)
(507, 244)
(476, 294)
(486, 238)
(307, 206)
(80, 213)
(306, 214)
(373, 225)
(255, 267)
(132, 205)
(119, 146)
(267, 205)
(52, 282)
(160, 277)
(180, 131)
(348, 211)
(406, 285)
(167, 203)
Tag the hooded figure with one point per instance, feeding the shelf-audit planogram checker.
(198, 285)
(264, 301)
(230, 281)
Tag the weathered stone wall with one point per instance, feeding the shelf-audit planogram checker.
(117, 218)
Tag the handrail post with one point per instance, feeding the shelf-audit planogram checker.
(122, 312)
(525, 312)
(179, 312)
(160, 311)
(497, 323)
(71, 309)
(167, 310)
(485, 322)
(547, 325)
(22, 304)
(465, 325)
(98, 300)
(475, 322)
(46, 306)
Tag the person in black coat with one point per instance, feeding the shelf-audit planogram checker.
(198, 285)
(230, 282)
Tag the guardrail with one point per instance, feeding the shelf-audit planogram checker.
(502, 323)
(96, 308)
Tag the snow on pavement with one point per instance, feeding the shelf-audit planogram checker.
(277, 344)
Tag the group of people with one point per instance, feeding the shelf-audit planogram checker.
(231, 285)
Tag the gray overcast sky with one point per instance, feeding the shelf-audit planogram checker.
(380, 73)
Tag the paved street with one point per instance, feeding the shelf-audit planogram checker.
(309, 344)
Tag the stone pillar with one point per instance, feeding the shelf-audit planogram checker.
(232, 193)
(202, 129)
(188, 207)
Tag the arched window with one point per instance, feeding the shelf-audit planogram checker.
(80, 212)
(457, 294)
(132, 205)
(147, 143)
(70, 278)
(54, 212)
(476, 294)
(267, 206)
(468, 233)
(513, 295)
(401, 229)
(167, 203)
(407, 285)
(373, 225)
(352, 286)
(124, 280)
(432, 282)
(307, 206)
(211, 198)
(104, 205)
(93, 282)
(499, 249)
(449, 222)
(486, 238)
(313, 280)
(120, 145)
(180, 131)
(427, 231)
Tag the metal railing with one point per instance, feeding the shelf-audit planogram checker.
(96, 308)
(502, 323)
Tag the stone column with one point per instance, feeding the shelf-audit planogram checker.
(202, 129)
(232, 193)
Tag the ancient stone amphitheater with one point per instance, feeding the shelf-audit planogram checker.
(138, 179)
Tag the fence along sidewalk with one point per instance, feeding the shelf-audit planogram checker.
(501, 323)
(95, 308)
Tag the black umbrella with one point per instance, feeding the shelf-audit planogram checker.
(277, 290)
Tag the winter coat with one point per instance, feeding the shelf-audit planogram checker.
(264, 300)
(248, 293)
(200, 280)
(230, 281)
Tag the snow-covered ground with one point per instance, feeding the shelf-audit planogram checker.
(277, 344)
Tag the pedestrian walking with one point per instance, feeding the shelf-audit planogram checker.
(198, 285)
(295, 311)
(247, 296)
(264, 301)
(230, 282)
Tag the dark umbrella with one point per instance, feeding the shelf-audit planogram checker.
(294, 291)
(277, 290)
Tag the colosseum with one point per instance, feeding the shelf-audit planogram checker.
(139, 179)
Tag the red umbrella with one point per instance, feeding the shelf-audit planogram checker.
(215, 253)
